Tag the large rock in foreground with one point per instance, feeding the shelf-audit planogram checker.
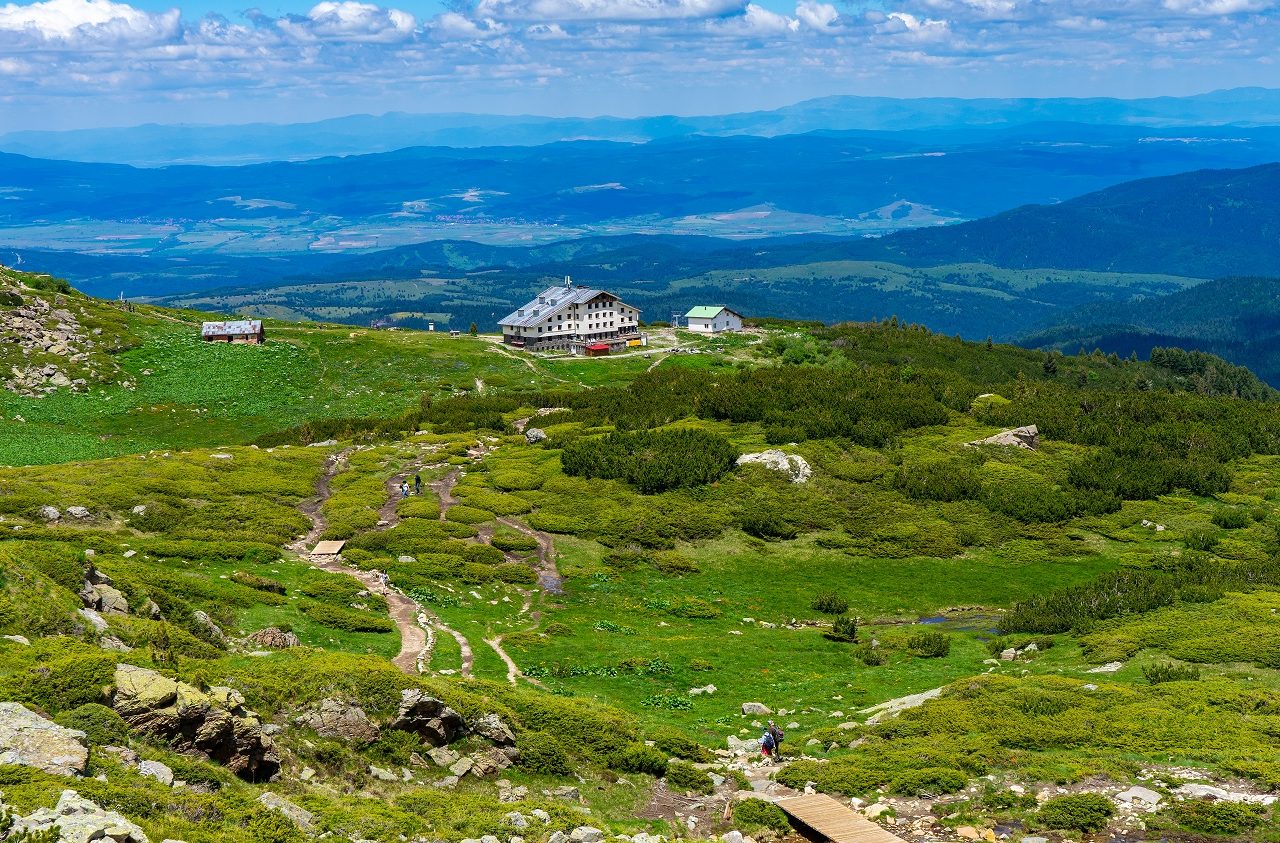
(214, 724)
(29, 740)
(793, 465)
(80, 821)
(428, 717)
(1027, 438)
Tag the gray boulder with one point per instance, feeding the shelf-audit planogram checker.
(49, 513)
(79, 512)
(1027, 438)
(211, 630)
(794, 465)
(300, 817)
(428, 717)
(274, 639)
(534, 435)
(756, 708)
(586, 834)
(160, 772)
(338, 719)
(491, 727)
(27, 739)
(80, 821)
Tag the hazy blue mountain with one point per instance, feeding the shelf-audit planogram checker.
(830, 182)
(152, 145)
(1206, 224)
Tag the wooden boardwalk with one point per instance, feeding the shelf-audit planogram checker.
(834, 820)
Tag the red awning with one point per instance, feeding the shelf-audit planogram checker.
(598, 346)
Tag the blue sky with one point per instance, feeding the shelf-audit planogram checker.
(86, 63)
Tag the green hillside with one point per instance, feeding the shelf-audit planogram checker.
(582, 621)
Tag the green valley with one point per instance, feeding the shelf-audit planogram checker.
(564, 596)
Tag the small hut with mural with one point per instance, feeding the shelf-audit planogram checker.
(242, 331)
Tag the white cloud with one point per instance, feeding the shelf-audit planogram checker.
(1217, 7)
(75, 21)
(351, 21)
(608, 10)
(755, 21)
(913, 28)
(815, 15)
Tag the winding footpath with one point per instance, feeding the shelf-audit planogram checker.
(410, 618)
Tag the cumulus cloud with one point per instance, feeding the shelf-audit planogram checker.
(913, 28)
(819, 16)
(350, 21)
(77, 21)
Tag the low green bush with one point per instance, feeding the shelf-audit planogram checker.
(1084, 812)
(682, 777)
(101, 725)
(347, 620)
(515, 573)
(930, 781)
(540, 752)
(1225, 818)
(463, 514)
(844, 629)
(871, 656)
(256, 582)
(830, 603)
(929, 644)
(1232, 518)
(753, 814)
(1162, 672)
(675, 742)
(514, 544)
(639, 758)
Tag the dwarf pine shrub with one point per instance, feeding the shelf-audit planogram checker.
(1084, 812)
(830, 603)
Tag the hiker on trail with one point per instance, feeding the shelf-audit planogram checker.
(417, 484)
(767, 745)
(774, 732)
(404, 488)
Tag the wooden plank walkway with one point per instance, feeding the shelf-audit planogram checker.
(834, 820)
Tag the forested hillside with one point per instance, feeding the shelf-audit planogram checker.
(982, 589)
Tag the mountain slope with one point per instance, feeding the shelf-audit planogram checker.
(1206, 224)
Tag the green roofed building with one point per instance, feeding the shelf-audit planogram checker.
(710, 319)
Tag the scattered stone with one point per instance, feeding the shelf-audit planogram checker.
(79, 512)
(461, 767)
(49, 513)
(274, 638)
(334, 718)
(1109, 667)
(534, 435)
(756, 708)
(1008, 654)
(1027, 438)
(428, 717)
(541, 815)
(731, 837)
(705, 689)
(567, 792)
(215, 725)
(443, 756)
(968, 832)
(158, 771)
(140, 509)
(875, 810)
(774, 460)
(211, 629)
(17, 639)
(78, 820)
(299, 816)
(586, 834)
(515, 819)
(382, 774)
(307, 774)
(447, 782)
(28, 740)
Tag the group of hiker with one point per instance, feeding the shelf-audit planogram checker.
(417, 486)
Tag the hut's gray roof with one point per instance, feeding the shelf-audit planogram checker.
(233, 328)
(550, 300)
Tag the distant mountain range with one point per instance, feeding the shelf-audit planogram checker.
(153, 145)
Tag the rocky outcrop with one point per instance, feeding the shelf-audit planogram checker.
(274, 639)
(80, 821)
(333, 718)
(214, 724)
(211, 631)
(428, 717)
(56, 350)
(1027, 438)
(795, 466)
(100, 594)
(27, 739)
